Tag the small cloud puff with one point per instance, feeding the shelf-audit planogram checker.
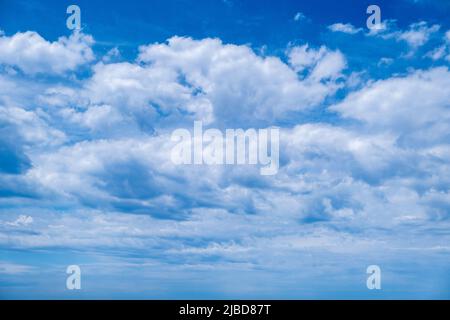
(345, 28)
(299, 16)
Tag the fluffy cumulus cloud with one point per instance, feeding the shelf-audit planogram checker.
(241, 87)
(86, 167)
(320, 63)
(392, 103)
(32, 54)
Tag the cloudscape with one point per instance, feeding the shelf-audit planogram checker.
(351, 161)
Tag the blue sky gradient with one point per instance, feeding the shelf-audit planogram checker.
(85, 170)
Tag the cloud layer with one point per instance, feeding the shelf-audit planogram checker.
(85, 163)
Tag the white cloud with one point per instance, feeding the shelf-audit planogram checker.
(111, 55)
(22, 220)
(442, 51)
(32, 126)
(393, 103)
(303, 57)
(33, 54)
(322, 63)
(437, 53)
(98, 118)
(330, 66)
(345, 28)
(388, 170)
(234, 78)
(418, 34)
(146, 91)
(383, 28)
(9, 268)
(299, 16)
(385, 61)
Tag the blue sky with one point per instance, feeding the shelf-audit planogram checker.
(85, 170)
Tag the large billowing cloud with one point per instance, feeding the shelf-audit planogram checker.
(242, 87)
